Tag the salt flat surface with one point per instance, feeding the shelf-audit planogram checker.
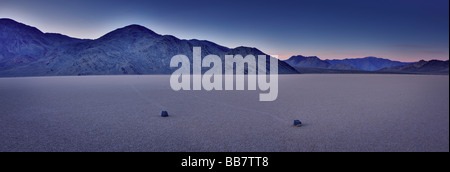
(122, 113)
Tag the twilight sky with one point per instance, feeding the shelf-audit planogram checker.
(405, 30)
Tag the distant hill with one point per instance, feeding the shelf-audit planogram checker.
(307, 62)
(300, 62)
(26, 51)
(368, 63)
(430, 67)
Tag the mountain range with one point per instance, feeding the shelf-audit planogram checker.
(430, 67)
(313, 64)
(368, 63)
(134, 49)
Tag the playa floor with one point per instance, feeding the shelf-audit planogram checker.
(122, 113)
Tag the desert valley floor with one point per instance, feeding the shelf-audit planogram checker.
(122, 113)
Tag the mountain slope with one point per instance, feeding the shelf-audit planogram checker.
(21, 45)
(26, 51)
(307, 62)
(302, 63)
(368, 63)
(430, 67)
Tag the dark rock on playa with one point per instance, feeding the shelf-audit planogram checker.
(297, 123)
(164, 114)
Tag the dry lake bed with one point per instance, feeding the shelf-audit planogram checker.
(354, 112)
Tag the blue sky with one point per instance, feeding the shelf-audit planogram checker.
(406, 30)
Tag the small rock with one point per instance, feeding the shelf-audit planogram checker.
(164, 114)
(297, 123)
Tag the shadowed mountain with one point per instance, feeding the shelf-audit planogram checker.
(21, 45)
(426, 67)
(26, 51)
(315, 65)
(307, 62)
(368, 63)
